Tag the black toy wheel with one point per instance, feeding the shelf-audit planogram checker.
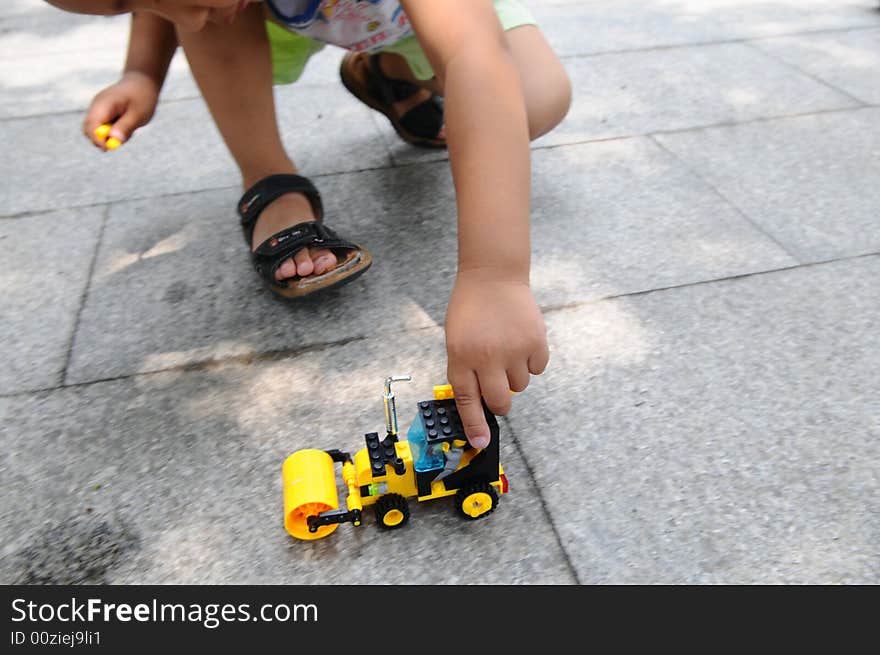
(476, 500)
(392, 511)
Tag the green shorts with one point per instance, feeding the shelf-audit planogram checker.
(291, 51)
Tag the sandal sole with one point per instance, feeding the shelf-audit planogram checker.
(346, 272)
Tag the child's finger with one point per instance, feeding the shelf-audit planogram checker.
(538, 360)
(495, 389)
(518, 377)
(99, 114)
(111, 135)
(123, 127)
(102, 110)
(468, 401)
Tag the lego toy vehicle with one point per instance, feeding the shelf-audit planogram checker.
(434, 461)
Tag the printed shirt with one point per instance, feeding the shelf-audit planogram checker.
(360, 25)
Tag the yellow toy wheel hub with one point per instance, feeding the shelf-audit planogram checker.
(476, 504)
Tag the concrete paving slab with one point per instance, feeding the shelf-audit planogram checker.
(679, 88)
(175, 280)
(719, 433)
(583, 28)
(45, 266)
(52, 61)
(620, 26)
(32, 7)
(38, 28)
(152, 163)
(623, 216)
(55, 83)
(846, 60)
(754, 18)
(177, 477)
(52, 66)
(810, 181)
(179, 151)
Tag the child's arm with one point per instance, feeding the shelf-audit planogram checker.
(495, 334)
(130, 103)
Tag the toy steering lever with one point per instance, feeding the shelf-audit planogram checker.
(390, 410)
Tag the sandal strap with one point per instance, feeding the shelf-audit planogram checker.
(390, 90)
(424, 119)
(258, 197)
(280, 247)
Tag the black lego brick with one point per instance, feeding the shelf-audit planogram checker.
(440, 420)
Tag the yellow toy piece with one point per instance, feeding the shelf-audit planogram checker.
(443, 392)
(102, 132)
(309, 488)
(435, 460)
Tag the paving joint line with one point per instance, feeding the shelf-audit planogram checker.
(289, 353)
(551, 146)
(84, 296)
(173, 194)
(807, 74)
(586, 55)
(708, 126)
(736, 208)
(277, 355)
(757, 119)
(545, 506)
(684, 285)
(82, 110)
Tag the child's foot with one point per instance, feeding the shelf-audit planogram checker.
(283, 212)
(292, 250)
(415, 113)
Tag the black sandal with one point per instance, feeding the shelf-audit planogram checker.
(419, 126)
(352, 260)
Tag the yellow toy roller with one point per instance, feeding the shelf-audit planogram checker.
(434, 461)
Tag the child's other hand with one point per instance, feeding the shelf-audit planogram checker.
(128, 105)
(495, 340)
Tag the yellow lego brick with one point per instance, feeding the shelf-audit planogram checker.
(443, 392)
(103, 130)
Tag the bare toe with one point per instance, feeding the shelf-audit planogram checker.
(286, 270)
(299, 265)
(304, 264)
(323, 260)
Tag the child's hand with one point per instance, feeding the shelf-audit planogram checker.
(495, 340)
(127, 105)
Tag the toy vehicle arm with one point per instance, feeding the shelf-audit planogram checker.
(354, 505)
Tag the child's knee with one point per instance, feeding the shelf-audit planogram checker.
(548, 108)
